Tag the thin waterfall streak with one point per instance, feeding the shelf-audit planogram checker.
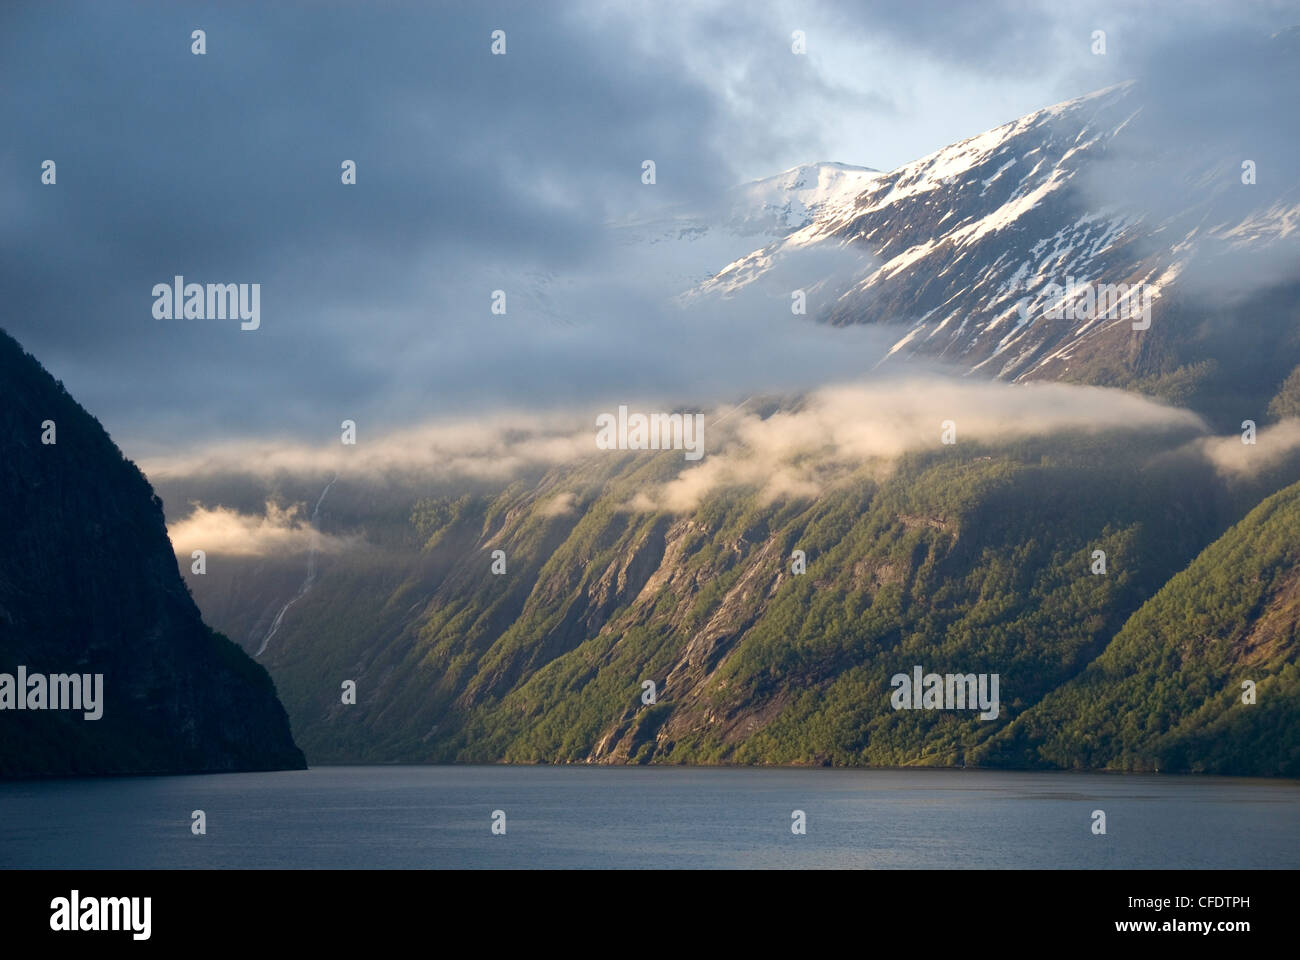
(311, 570)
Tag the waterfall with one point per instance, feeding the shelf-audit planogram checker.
(311, 571)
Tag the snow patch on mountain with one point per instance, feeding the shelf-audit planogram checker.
(969, 245)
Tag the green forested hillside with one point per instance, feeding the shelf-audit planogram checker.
(962, 559)
(1167, 693)
(970, 563)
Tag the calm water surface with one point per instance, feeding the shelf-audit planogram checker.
(638, 817)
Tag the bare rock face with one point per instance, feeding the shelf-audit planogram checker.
(89, 585)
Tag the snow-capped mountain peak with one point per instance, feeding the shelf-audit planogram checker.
(969, 247)
(794, 198)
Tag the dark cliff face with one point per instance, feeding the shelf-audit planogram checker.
(89, 584)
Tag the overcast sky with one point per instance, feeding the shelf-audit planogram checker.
(475, 172)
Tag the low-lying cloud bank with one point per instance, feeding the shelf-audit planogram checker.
(860, 421)
(838, 429)
(226, 532)
(495, 447)
(1234, 458)
(796, 451)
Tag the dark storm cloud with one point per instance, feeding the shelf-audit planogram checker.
(475, 172)
(225, 168)
(991, 34)
(1007, 36)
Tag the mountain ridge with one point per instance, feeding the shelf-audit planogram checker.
(963, 249)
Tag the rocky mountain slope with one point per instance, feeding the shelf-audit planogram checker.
(972, 251)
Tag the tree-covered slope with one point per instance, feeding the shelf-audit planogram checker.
(1168, 692)
(967, 559)
(974, 562)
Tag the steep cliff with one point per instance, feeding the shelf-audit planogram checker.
(89, 585)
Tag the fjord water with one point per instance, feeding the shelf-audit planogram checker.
(650, 817)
